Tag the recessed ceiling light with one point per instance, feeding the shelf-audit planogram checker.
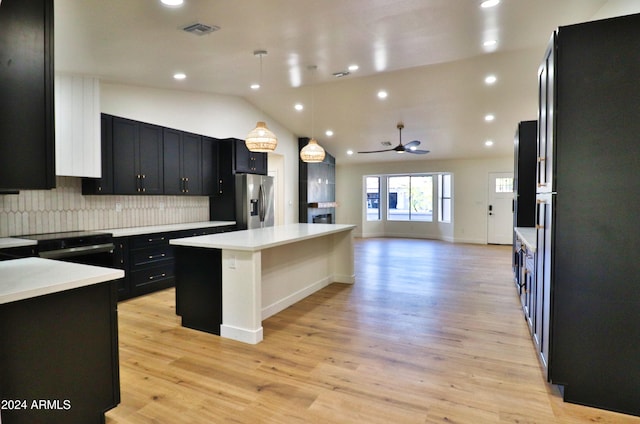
(489, 3)
(382, 94)
(488, 143)
(490, 43)
(353, 68)
(349, 152)
(490, 79)
(298, 107)
(329, 133)
(172, 3)
(179, 76)
(255, 86)
(489, 118)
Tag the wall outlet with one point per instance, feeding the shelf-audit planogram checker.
(161, 206)
(118, 207)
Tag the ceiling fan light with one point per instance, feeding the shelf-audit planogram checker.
(312, 152)
(261, 139)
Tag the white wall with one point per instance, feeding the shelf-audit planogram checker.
(212, 115)
(470, 196)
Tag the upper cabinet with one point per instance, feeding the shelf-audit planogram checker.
(138, 157)
(182, 162)
(247, 162)
(141, 158)
(26, 82)
(77, 110)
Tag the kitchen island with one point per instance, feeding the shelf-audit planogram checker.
(226, 284)
(58, 341)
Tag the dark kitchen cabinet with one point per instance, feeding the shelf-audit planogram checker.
(211, 178)
(182, 163)
(524, 184)
(232, 159)
(587, 203)
(138, 157)
(61, 348)
(104, 184)
(121, 261)
(27, 158)
(148, 260)
(247, 162)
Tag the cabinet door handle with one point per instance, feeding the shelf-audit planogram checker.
(541, 159)
(186, 185)
(162, 255)
(153, 277)
(153, 239)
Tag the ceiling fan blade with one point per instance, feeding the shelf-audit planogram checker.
(417, 152)
(414, 143)
(378, 151)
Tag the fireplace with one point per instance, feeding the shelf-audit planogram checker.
(325, 218)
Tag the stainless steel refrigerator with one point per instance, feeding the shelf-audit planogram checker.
(254, 201)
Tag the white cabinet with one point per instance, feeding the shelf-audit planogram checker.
(77, 111)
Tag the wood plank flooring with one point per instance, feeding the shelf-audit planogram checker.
(431, 332)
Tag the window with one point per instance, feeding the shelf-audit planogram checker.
(410, 198)
(504, 185)
(373, 198)
(444, 198)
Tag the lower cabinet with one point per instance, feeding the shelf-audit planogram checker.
(149, 261)
(60, 357)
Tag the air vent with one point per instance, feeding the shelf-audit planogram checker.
(200, 29)
(385, 143)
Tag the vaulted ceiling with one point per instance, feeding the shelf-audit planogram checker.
(428, 55)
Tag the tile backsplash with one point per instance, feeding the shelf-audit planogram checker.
(66, 209)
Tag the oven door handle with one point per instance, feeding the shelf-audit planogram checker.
(78, 251)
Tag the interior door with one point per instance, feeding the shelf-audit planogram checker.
(500, 208)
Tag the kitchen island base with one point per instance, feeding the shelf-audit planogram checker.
(59, 357)
(259, 273)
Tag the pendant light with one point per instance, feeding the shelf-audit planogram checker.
(261, 139)
(312, 152)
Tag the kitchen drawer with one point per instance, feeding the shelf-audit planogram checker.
(147, 240)
(151, 255)
(153, 278)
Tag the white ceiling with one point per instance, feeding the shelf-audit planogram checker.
(427, 54)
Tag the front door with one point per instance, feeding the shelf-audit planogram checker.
(500, 208)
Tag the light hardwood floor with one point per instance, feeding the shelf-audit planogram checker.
(431, 332)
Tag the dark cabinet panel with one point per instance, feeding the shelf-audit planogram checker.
(587, 213)
(27, 159)
(182, 162)
(211, 183)
(524, 184)
(125, 149)
(138, 157)
(150, 159)
(62, 346)
(247, 162)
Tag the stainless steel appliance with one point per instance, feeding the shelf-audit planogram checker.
(85, 247)
(254, 201)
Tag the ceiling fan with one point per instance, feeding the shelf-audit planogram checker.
(410, 147)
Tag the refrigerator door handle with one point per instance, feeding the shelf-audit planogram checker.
(262, 200)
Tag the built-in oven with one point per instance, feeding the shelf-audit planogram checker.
(84, 247)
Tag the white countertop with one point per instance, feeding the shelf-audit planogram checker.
(262, 238)
(7, 242)
(134, 231)
(31, 277)
(528, 236)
